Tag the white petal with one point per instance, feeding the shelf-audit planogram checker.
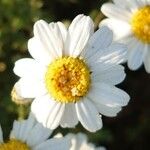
(110, 111)
(81, 139)
(131, 5)
(88, 115)
(58, 36)
(88, 146)
(38, 135)
(147, 58)
(30, 122)
(125, 4)
(69, 119)
(51, 113)
(142, 3)
(108, 95)
(15, 133)
(38, 51)
(47, 34)
(107, 73)
(41, 107)
(99, 41)
(77, 140)
(120, 28)
(147, 2)
(78, 35)
(58, 135)
(1, 135)
(63, 31)
(112, 11)
(30, 87)
(54, 144)
(135, 55)
(55, 116)
(100, 148)
(134, 5)
(29, 67)
(22, 128)
(115, 53)
(17, 92)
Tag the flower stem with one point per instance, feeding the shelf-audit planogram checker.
(21, 112)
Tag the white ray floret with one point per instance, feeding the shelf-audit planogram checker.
(73, 74)
(130, 22)
(30, 135)
(79, 142)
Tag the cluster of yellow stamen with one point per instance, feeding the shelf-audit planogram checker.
(67, 79)
(14, 145)
(140, 23)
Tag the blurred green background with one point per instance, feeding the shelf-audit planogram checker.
(130, 130)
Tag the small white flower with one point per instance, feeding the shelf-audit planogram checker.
(72, 75)
(130, 22)
(79, 142)
(30, 135)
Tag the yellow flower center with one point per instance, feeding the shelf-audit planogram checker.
(14, 145)
(140, 23)
(67, 79)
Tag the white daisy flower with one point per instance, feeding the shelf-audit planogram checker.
(30, 135)
(80, 142)
(72, 74)
(130, 21)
